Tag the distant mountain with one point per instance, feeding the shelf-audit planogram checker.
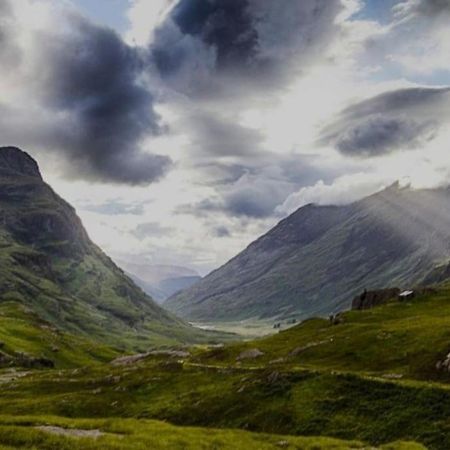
(49, 264)
(173, 285)
(160, 281)
(316, 260)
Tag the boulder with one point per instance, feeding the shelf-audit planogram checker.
(371, 299)
(250, 354)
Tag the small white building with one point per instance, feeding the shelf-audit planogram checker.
(406, 295)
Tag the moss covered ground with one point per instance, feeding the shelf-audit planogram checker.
(371, 379)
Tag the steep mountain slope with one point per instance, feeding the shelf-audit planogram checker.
(317, 259)
(49, 264)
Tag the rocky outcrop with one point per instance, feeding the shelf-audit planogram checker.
(370, 299)
(133, 359)
(14, 161)
(250, 354)
(444, 364)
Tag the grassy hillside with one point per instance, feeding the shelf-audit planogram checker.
(49, 433)
(49, 264)
(405, 338)
(29, 342)
(372, 378)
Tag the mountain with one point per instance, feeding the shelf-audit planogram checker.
(171, 286)
(49, 265)
(158, 280)
(317, 259)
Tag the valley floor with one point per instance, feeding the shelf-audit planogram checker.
(377, 379)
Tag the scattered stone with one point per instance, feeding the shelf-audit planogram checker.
(444, 365)
(133, 359)
(59, 431)
(4, 359)
(273, 377)
(336, 319)
(173, 366)
(277, 361)
(299, 350)
(24, 360)
(171, 353)
(250, 354)
(130, 359)
(393, 376)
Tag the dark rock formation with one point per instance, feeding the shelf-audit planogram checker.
(14, 161)
(370, 299)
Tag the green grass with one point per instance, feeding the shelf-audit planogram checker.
(406, 339)
(336, 387)
(296, 402)
(21, 432)
(22, 332)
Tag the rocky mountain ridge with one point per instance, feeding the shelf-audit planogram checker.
(316, 260)
(49, 264)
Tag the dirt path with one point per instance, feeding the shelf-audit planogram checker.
(94, 434)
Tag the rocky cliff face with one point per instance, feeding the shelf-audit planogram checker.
(316, 260)
(48, 263)
(15, 162)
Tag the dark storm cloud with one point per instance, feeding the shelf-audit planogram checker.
(92, 76)
(254, 196)
(226, 25)
(380, 135)
(218, 174)
(221, 232)
(9, 51)
(397, 120)
(431, 8)
(214, 47)
(87, 104)
(222, 137)
(150, 229)
(255, 191)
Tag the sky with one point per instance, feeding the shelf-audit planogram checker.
(182, 130)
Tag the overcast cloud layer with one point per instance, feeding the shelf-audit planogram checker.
(183, 138)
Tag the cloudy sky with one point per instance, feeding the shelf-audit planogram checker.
(181, 130)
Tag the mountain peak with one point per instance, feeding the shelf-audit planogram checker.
(14, 161)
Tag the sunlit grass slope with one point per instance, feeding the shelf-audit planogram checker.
(25, 340)
(372, 378)
(27, 433)
(403, 338)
